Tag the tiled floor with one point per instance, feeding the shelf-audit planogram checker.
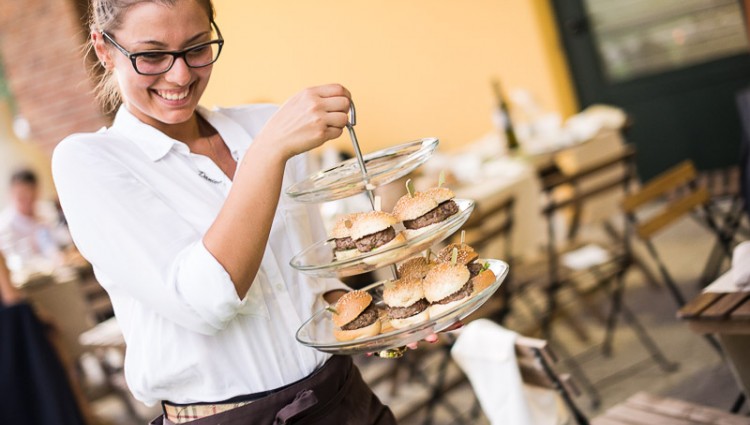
(701, 376)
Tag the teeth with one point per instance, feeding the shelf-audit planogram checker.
(173, 95)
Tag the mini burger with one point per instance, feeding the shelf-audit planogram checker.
(416, 267)
(481, 275)
(424, 210)
(406, 302)
(355, 316)
(374, 231)
(341, 233)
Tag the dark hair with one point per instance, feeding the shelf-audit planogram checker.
(106, 15)
(24, 176)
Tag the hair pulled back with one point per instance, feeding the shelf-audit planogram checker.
(107, 15)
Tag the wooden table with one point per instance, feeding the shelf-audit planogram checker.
(726, 315)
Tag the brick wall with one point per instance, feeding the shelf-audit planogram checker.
(40, 46)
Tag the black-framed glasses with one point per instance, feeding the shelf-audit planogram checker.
(155, 62)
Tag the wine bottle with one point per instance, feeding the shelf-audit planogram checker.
(504, 116)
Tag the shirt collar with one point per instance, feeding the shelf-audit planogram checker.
(155, 144)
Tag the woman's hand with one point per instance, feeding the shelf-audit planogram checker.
(308, 119)
(432, 338)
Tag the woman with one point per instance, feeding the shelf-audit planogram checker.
(178, 208)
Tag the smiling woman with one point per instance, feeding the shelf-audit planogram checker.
(178, 209)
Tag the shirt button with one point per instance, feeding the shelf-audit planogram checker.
(279, 286)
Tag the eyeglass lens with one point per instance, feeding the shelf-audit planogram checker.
(157, 62)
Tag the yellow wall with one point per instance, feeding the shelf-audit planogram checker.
(416, 68)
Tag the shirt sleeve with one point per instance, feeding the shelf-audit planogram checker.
(134, 239)
(302, 164)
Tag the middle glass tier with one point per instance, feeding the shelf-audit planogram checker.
(318, 260)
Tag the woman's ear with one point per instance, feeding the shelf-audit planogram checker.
(102, 52)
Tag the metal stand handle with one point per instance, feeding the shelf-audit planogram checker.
(392, 353)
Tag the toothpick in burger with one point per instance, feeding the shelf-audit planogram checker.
(355, 316)
(422, 211)
(481, 275)
(406, 302)
(373, 231)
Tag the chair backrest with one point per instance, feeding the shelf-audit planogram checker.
(489, 224)
(685, 196)
(536, 363)
(622, 159)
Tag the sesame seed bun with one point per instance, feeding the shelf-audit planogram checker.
(416, 267)
(403, 292)
(342, 227)
(466, 254)
(371, 222)
(440, 194)
(417, 318)
(349, 306)
(483, 280)
(410, 207)
(444, 280)
(386, 256)
(370, 330)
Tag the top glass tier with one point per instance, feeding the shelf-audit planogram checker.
(345, 179)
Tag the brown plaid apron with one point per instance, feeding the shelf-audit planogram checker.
(334, 394)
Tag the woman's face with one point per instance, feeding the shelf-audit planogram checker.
(170, 98)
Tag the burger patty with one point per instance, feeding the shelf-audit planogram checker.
(474, 268)
(435, 215)
(404, 312)
(343, 244)
(370, 242)
(462, 293)
(366, 318)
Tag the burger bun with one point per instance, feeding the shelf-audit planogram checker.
(436, 310)
(444, 280)
(349, 306)
(370, 330)
(408, 321)
(482, 281)
(346, 254)
(371, 222)
(409, 207)
(414, 233)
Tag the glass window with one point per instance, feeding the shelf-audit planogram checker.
(641, 37)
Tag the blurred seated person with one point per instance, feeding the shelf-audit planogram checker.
(31, 230)
(36, 387)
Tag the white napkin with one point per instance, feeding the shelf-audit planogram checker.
(585, 257)
(485, 352)
(741, 265)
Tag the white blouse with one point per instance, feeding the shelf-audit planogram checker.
(138, 204)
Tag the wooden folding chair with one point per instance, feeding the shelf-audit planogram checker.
(683, 196)
(609, 177)
(537, 365)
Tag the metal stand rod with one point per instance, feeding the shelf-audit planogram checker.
(362, 167)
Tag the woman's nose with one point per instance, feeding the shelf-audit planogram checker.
(179, 73)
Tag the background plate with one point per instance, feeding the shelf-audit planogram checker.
(317, 332)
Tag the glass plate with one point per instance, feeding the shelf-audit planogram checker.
(318, 259)
(317, 332)
(345, 179)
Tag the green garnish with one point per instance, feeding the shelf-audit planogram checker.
(485, 266)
